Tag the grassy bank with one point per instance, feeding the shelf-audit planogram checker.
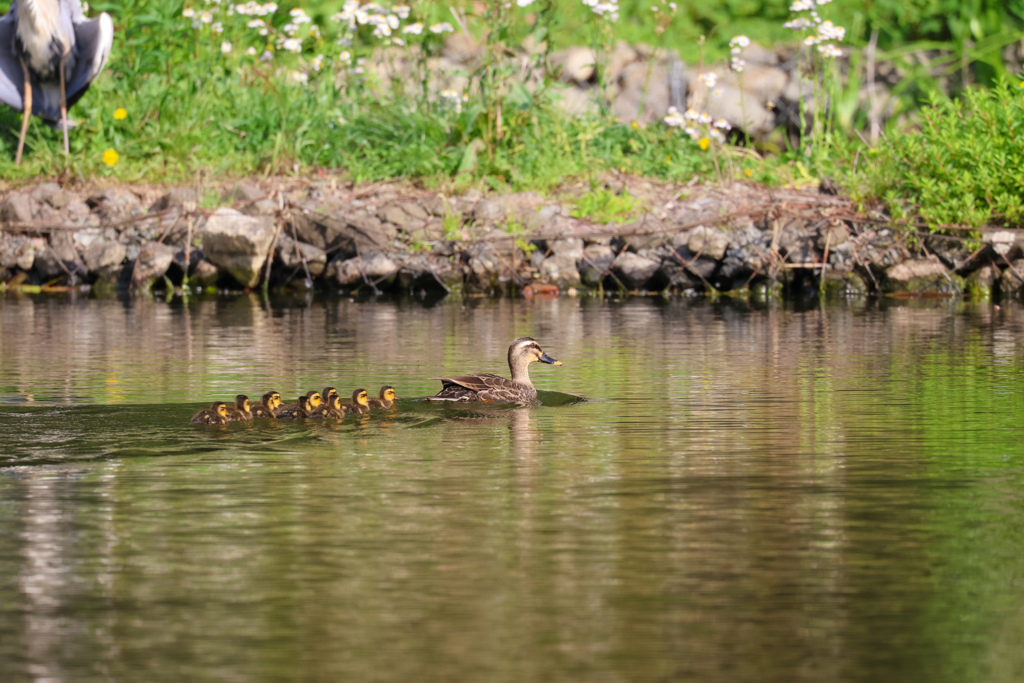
(206, 88)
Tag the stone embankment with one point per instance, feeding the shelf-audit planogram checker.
(378, 238)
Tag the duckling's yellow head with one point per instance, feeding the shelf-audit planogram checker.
(306, 404)
(336, 402)
(242, 402)
(359, 397)
(221, 408)
(327, 393)
(388, 394)
(246, 406)
(275, 400)
(315, 399)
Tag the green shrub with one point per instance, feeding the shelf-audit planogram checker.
(965, 166)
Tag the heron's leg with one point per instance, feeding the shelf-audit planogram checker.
(64, 107)
(27, 113)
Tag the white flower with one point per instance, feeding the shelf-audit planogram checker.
(704, 118)
(717, 135)
(188, 13)
(811, 40)
(398, 41)
(266, 56)
(251, 52)
(225, 47)
(798, 24)
(292, 45)
(393, 22)
(830, 50)
(217, 27)
(829, 31)
(290, 29)
(723, 124)
(401, 10)
(416, 28)
(443, 27)
(256, 23)
(692, 114)
(524, 3)
(801, 5)
(299, 16)
(206, 17)
(318, 62)
(709, 79)
(674, 118)
(740, 41)
(345, 57)
(299, 76)
(692, 132)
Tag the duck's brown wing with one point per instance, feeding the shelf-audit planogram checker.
(484, 386)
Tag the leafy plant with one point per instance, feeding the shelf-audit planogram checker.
(604, 206)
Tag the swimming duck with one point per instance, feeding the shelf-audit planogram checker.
(241, 411)
(483, 386)
(216, 414)
(266, 406)
(277, 403)
(360, 403)
(330, 409)
(327, 393)
(298, 410)
(387, 398)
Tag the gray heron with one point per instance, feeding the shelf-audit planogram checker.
(49, 55)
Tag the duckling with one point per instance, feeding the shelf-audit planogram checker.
(315, 398)
(360, 403)
(266, 406)
(327, 393)
(216, 414)
(387, 398)
(296, 411)
(330, 409)
(241, 411)
(484, 386)
(277, 403)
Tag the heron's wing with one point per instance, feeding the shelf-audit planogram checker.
(93, 38)
(12, 83)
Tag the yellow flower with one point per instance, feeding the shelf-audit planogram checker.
(120, 113)
(668, 159)
(110, 157)
(1022, 84)
(704, 143)
(634, 125)
(747, 172)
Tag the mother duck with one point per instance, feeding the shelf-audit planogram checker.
(484, 386)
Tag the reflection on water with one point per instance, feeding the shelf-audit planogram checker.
(770, 495)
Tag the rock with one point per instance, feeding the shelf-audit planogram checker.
(152, 262)
(980, 283)
(575, 102)
(237, 243)
(596, 263)
(640, 85)
(635, 271)
(181, 198)
(560, 270)
(423, 273)
(917, 275)
(708, 242)
(797, 242)
(431, 231)
(350, 232)
(567, 246)
(1011, 280)
(291, 253)
(374, 269)
(521, 207)
(833, 235)
(244, 191)
(19, 208)
(52, 194)
(574, 64)
(16, 251)
(741, 111)
(405, 215)
(103, 257)
(59, 260)
(763, 84)
(843, 283)
(204, 274)
(113, 203)
(485, 266)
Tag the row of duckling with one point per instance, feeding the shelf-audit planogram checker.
(313, 405)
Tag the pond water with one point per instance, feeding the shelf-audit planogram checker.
(773, 494)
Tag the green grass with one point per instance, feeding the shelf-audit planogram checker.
(194, 110)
